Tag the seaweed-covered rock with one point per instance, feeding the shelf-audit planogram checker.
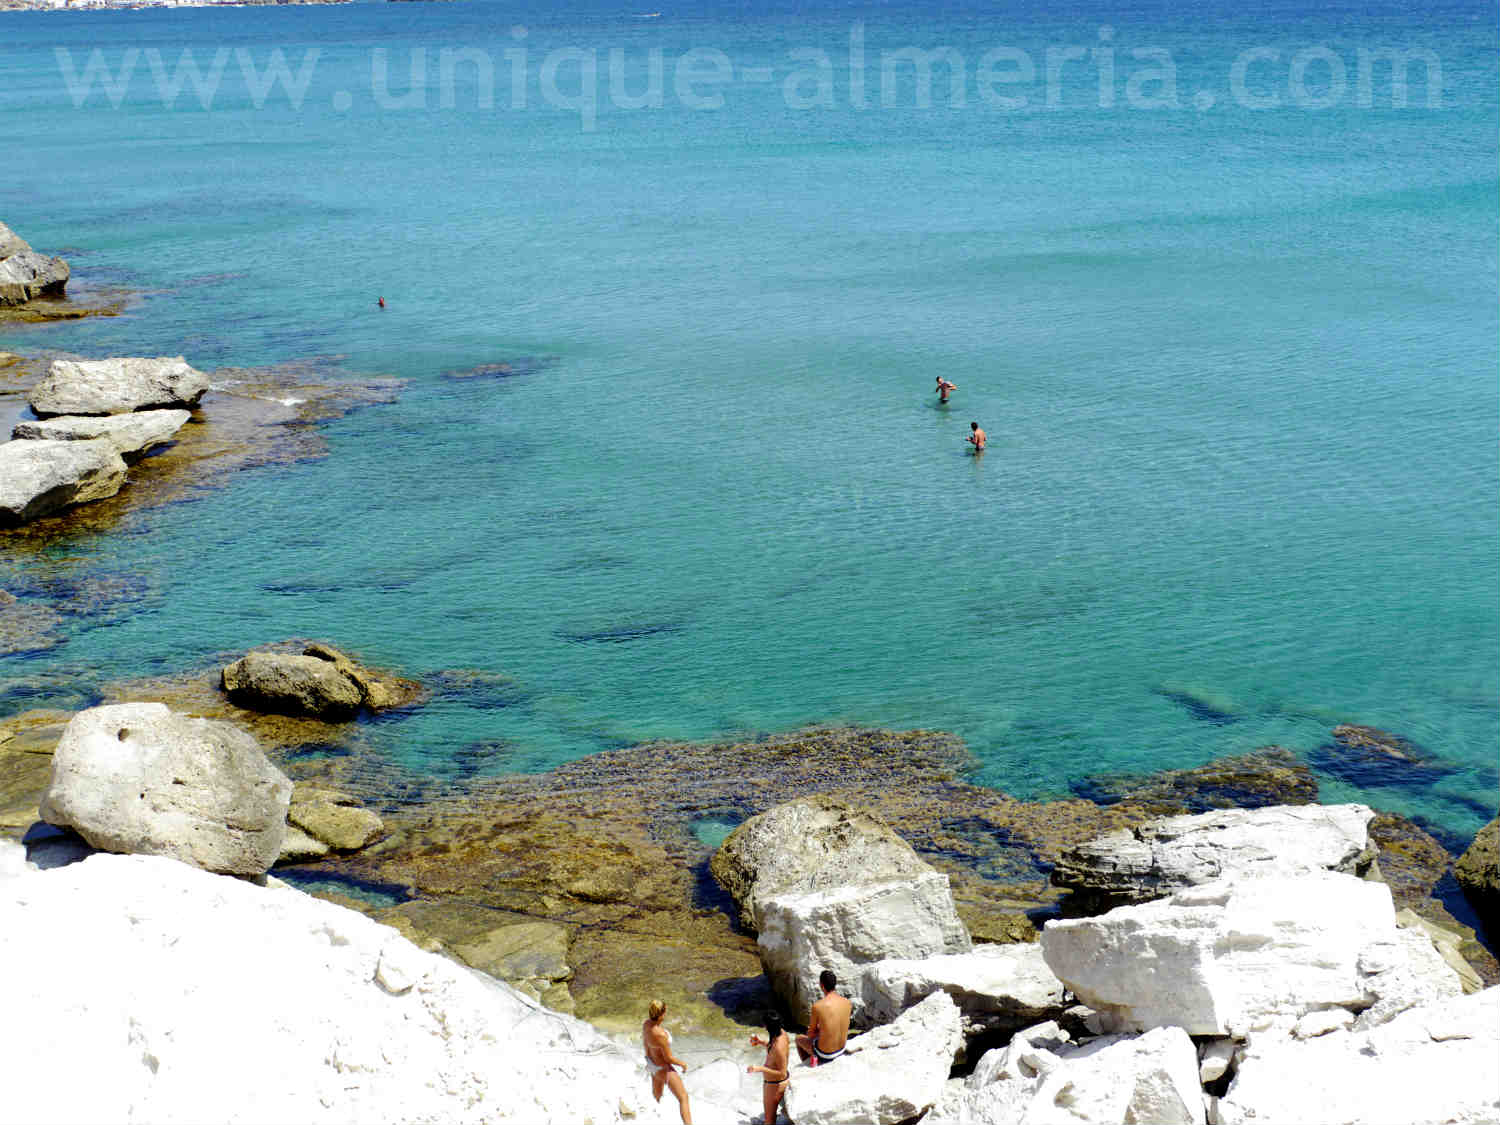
(1371, 757)
(337, 820)
(1478, 873)
(1272, 775)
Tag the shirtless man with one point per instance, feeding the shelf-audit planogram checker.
(976, 439)
(828, 1026)
(657, 1042)
(943, 387)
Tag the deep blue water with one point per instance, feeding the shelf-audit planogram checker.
(1238, 367)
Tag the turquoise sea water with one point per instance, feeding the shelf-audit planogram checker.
(1238, 368)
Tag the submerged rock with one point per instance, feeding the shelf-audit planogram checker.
(1168, 855)
(118, 385)
(131, 435)
(38, 478)
(136, 778)
(1371, 757)
(1272, 775)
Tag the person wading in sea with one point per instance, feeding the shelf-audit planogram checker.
(976, 439)
(943, 387)
(657, 1042)
(827, 1026)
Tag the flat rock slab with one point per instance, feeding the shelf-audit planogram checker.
(334, 819)
(132, 435)
(38, 478)
(117, 386)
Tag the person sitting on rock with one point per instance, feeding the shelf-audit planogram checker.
(657, 1042)
(828, 1026)
(777, 1064)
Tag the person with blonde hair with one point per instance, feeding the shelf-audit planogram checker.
(657, 1041)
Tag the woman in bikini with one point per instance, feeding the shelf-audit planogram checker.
(778, 1047)
(657, 1042)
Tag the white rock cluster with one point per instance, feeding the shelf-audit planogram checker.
(25, 274)
(139, 989)
(95, 417)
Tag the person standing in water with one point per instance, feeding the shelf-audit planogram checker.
(976, 439)
(943, 387)
(778, 1047)
(657, 1042)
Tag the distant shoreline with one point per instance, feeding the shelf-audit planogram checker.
(134, 5)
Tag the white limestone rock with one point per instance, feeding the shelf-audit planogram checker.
(1448, 944)
(117, 386)
(996, 987)
(815, 843)
(131, 435)
(1221, 958)
(1030, 1052)
(892, 1074)
(137, 778)
(1168, 855)
(849, 929)
(1432, 1065)
(38, 478)
(11, 243)
(26, 275)
(1114, 1080)
(155, 992)
(13, 862)
(1217, 1055)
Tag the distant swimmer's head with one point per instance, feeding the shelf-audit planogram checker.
(656, 1009)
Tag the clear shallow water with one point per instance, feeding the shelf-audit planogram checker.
(1238, 369)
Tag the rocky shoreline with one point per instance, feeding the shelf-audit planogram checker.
(1161, 948)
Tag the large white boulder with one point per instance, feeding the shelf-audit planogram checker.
(117, 386)
(11, 243)
(1431, 1065)
(1176, 852)
(137, 778)
(142, 990)
(849, 929)
(38, 478)
(131, 435)
(814, 843)
(892, 1074)
(1041, 1079)
(1223, 957)
(996, 987)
